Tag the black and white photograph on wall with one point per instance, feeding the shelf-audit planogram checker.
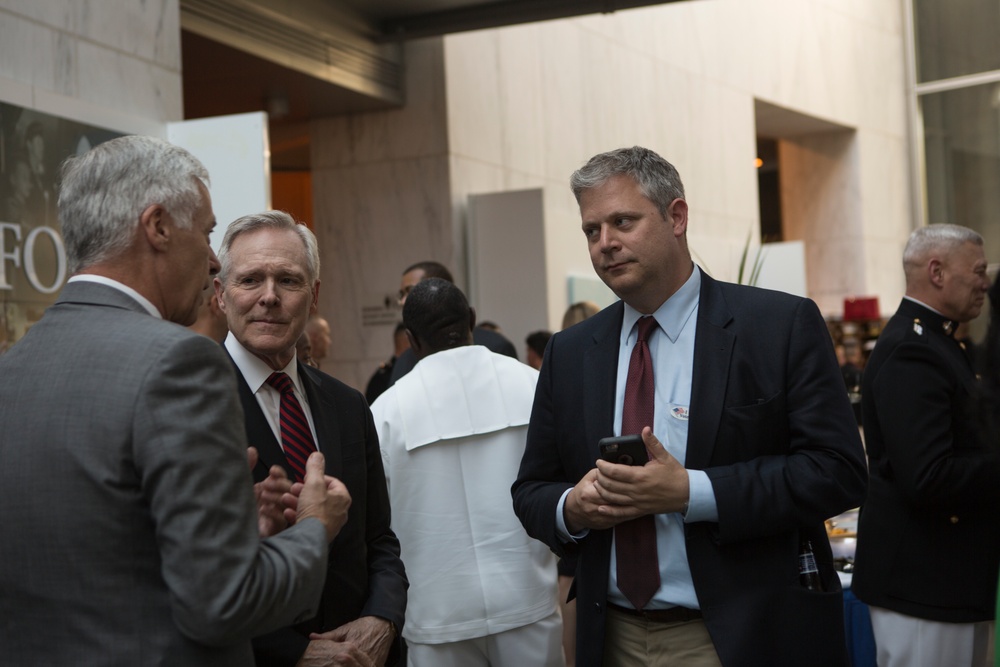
(33, 146)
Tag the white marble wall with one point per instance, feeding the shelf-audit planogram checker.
(528, 104)
(112, 64)
(381, 203)
(108, 63)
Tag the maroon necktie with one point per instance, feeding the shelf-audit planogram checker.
(635, 540)
(296, 438)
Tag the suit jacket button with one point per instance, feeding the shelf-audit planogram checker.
(954, 518)
(597, 606)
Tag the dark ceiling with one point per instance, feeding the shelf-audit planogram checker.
(411, 19)
(219, 79)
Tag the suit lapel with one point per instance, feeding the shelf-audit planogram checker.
(324, 412)
(600, 371)
(713, 349)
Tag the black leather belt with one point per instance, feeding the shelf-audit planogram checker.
(672, 615)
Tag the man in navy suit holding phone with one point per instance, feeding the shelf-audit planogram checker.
(693, 558)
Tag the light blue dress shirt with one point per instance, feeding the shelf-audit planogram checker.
(671, 346)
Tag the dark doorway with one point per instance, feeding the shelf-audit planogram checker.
(769, 190)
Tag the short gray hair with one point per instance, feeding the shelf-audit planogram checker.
(658, 180)
(937, 237)
(270, 220)
(105, 190)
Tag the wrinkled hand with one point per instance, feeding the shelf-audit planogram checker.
(658, 487)
(322, 653)
(372, 635)
(320, 496)
(269, 493)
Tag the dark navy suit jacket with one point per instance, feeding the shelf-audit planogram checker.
(771, 425)
(929, 532)
(365, 575)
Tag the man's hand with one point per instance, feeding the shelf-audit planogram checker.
(269, 492)
(582, 507)
(626, 492)
(320, 496)
(372, 635)
(322, 653)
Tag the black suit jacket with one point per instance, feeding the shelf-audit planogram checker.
(365, 576)
(929, 532)
(770, 424)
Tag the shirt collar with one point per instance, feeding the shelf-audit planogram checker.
(121, 287)
(253, 368)
(673, 314)
(918, 301)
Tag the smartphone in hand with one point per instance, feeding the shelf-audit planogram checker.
(624, 449)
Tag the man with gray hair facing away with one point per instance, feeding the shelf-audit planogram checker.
(929, 532)
(452, 434)
(268, 286)
(130, 530)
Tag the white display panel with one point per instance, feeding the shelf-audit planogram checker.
(236, 153)
(507, 279)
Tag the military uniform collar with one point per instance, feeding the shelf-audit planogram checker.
(926, 318)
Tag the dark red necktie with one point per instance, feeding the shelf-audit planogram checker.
(635, 541)
(296, 438)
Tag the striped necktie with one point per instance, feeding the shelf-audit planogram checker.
(296, 438)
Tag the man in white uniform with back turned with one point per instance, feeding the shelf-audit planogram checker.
(452, 433)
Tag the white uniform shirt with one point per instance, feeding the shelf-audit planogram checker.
(452, 433)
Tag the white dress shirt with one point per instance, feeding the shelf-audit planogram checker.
(256, 372)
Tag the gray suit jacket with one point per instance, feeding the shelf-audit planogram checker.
(129, 524)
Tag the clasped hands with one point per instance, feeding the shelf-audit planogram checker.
(612, 493)
(363, 642)
(281, 503)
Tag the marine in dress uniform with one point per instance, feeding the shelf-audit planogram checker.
(929, 531)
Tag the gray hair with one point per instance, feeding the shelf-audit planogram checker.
(105, 190)
(270, 220)
(658, 180)
(935, 238)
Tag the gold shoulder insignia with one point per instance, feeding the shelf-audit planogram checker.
(918, 327)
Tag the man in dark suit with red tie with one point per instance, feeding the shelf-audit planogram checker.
(693, 558)
(268, 286)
